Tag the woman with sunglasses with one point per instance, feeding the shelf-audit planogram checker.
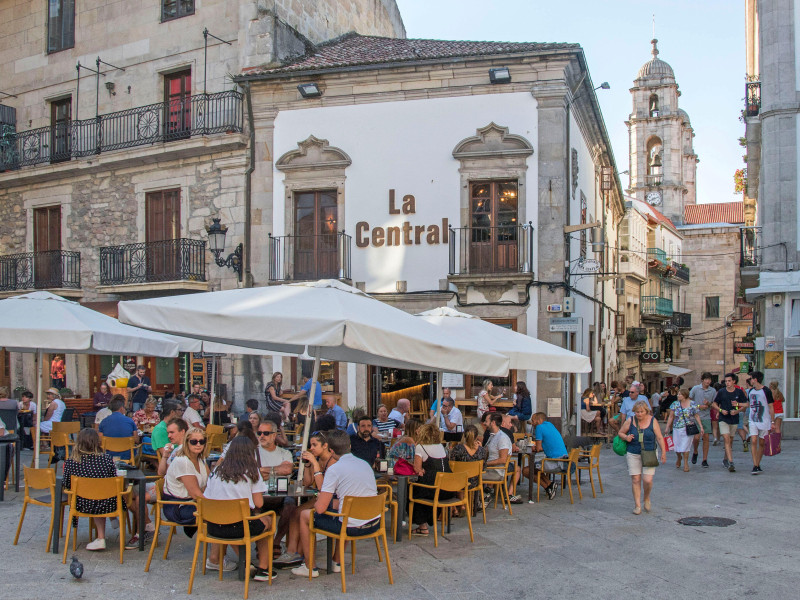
(186, 479)
(239, 477)
(317, 459)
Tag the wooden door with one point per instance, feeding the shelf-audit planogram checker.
(60, 129)
(163, 374)
(47, 247)
(315, 244)
(5, 369)
(493, 227)
(178, 105)
(162, 232)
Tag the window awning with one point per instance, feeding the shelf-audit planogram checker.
(666, 369)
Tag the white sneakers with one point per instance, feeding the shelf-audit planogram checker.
(227, 565)
(302, 571)
(98, 544)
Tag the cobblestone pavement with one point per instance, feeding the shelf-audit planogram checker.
(593, 549)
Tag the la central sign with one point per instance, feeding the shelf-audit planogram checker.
(401, 235)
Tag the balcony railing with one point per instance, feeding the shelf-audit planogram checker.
(752, 98)
(152, 262)
(750, 246)
(163, 122)
(636, 337)
(486, 250)
(51, 269)
(655, 306)
(309, 257)
(680, 272)
(681, 320)
(654, 180)
(657, 258)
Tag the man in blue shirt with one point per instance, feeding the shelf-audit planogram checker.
(446, 394)
(549, 440)
(336, 412)
(117, 425)
(306, 390)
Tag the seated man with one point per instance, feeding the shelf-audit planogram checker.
(349, 476)
(172, 409)
(549, 440)
(249, 407)
(117, 424)
(452, 419)
(336, 412)
(499, 447)
(280, 437)
(400, 412)
(364, 446)
(192, 413)
(446, 393)
(278, 461)
(505, 427)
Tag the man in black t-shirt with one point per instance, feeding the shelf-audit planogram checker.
(363, 445)
(728, 402)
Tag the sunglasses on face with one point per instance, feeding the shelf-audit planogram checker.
(266, 433)
(197, 442)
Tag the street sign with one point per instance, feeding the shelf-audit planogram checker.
(554, 308)
(744, 348)
(590, 265)
(650, 357)
(565, 324)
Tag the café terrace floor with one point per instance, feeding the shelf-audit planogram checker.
(593, 549)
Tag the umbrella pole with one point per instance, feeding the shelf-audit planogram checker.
(312, 393)
(439, 404)
(37, 433)
(213, 388)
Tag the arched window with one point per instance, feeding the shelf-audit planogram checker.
(653, 105)
(655, 165)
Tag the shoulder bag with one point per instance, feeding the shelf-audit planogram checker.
(691, 427)
(620, 446)
(649, 457)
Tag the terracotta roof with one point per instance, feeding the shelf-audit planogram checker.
(353, 49)
(723, 212)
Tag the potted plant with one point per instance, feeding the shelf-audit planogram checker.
(66, 393)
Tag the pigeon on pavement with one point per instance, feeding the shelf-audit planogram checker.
(76, 568)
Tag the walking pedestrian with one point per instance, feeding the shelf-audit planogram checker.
(682, 412)
(777, 395)
(715, 436)
(762, 417)
(703, 395)
(642, 432)
(730, 401)
(744, 417)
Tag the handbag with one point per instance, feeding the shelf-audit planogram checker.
(691, 428)
(620, 446)
(669, 443)
(649, 457)
(403, 467)
(772, 443)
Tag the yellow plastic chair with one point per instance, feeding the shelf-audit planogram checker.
(501, 484)
(471, 469)
(160, 520)
(126, 444)
(553, 466)
(216, 441)
(42, 479)
(92, 488)
(355, 507)
(227, 512)
(390, 504)
(213, 429)
(590, 461)
(445, 482)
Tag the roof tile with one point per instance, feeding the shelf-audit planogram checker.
(353, 49)
(722, 212)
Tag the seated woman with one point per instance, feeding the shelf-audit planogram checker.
(403, 451)
(185, 480)
(430, 458)
(317, 459)
(146, 418)
(55, 409)
(589, 416)
(102, 397)
(383, 424)
(523, 406)
(272, 393)
(26, 418)
(239, 477)
(486, 400)
(469, 450)
(89, 460)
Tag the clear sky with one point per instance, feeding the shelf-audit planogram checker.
(703, 41)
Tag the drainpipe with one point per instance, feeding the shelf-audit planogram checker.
(248, 189)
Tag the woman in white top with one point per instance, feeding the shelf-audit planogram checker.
(430, 458)
(186, 479)
(239, 477)
(55, 410)
(485, 398)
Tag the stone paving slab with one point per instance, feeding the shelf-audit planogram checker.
(594, 548)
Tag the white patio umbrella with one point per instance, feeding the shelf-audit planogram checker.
(326, 319)
(42, 322)
(523, 351)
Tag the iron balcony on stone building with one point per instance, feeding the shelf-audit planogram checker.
(749, 255)
(657, 308)
(53, 270)
(310, 257)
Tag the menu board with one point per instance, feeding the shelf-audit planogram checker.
(453, 380)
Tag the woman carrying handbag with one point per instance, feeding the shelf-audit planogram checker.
(684, 423)
(642, 433)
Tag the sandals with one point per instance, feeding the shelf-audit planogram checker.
(420, 531)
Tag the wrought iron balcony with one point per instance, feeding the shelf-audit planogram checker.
(752, 98)
(750, 246)
(309, 257)
(51, 269)
(203, 114)
(680, 272)
(151, 262)
(655, 306)
(485, 250)
(657, 258)
(681, 320)
(636, 337)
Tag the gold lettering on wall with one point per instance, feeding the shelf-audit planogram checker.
(406, 234)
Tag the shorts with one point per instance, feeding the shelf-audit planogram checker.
(714, 415)
(727, 428)
(756, 431)
(706, 425)
(779, 415)
(334, 525)
(235, 531)
(182, 514)
(492, 475)
(743, 420)
(635, 465)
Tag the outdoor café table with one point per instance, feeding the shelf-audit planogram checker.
(531, 454)
(133, 476)
(402, 497)
(11, 438)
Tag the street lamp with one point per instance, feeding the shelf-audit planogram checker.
(216, 243)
